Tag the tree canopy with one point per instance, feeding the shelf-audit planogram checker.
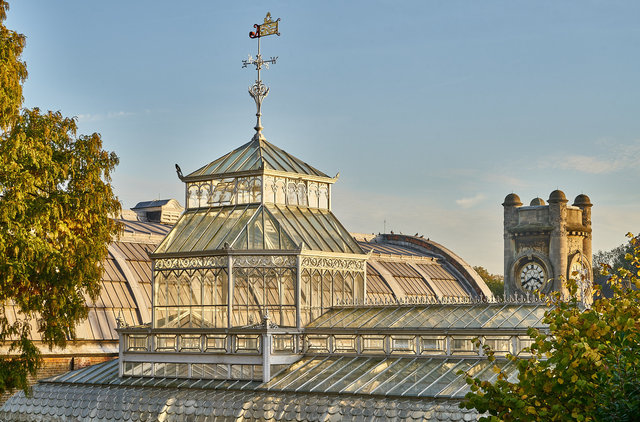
(495, 282)
(55, 202)
(586, 368)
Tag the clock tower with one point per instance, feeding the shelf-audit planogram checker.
(546, 244)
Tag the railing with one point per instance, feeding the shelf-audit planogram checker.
(245, 353)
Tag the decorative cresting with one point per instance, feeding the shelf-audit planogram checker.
(258, 90)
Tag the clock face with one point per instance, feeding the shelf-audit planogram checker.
(532, 276)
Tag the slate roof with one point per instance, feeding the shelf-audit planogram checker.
(96, 393)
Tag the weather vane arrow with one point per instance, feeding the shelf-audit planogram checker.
(259, 91)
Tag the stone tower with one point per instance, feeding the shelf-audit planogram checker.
(545, 244)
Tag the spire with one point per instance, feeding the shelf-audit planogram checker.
(258, 90)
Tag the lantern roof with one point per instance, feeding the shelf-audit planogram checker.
(255, 157)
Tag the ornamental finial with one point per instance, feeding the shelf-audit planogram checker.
(258, 90)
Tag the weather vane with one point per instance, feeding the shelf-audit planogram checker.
(258, 90)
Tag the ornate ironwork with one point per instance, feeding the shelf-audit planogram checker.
(333, 263)
(198, 262)
(258, 91)
(264, 261)
(268, 27)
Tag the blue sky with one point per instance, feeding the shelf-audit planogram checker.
(432, 111)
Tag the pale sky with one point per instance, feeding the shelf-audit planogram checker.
(432, 111)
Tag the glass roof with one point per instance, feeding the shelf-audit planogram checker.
(410, 377)
(256, 155)
(436, 316)
(255, 226)
(403, 376)
(107, 374)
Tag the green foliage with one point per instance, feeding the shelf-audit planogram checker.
(495, 282)
(55, 202)
(586, 368)
(13, 71)
(613, 259)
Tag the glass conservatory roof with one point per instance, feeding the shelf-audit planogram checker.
(436, 316)
(386, 376)
(409, 377)
(255, 226)
(255, 155)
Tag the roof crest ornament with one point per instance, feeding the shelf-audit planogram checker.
(259, 91)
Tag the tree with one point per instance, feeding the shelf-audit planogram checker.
(495, 282)
(55, 201)
(586, 368)
(613, 260)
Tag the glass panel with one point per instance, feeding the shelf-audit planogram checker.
(166, 343)
(372, 378)
(501, 316)
(534, 318)
(256, 234)
(516, 318)
(433, 345)
(183, 222)
(446, 377)
(389, 318)
(182, 370)
(160, 288)
(216, 343)
(190, 343)
(463, 345)
(234, 224)
(387, 379)
(292, 226)
(463, 316)
(242, 242)
(344, 343)
(412, 381)
(194, 226)
(210, 230)
(363, 317)
(293, 371)
(271, 232)
(373, 344)
(501, 345)
(325, 368)
(482, 315)
(385, 312)
(283, 343)
(317, 344)
(311, 223)
(338, 290)
(348, 287)
(522, 343)
(403, 344)
(332, 225)
(342, 317)
(327, 281)
(323, 193)
(428, 375)
(247, 344)
(359, 286)
(137, 342)
(341, 376)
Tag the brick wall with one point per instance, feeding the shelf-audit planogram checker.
(59, 365)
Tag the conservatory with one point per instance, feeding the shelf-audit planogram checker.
(256, 256)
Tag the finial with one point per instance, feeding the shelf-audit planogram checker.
(259, 91)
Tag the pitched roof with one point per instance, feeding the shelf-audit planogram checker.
(255, 155)
(256, 226)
